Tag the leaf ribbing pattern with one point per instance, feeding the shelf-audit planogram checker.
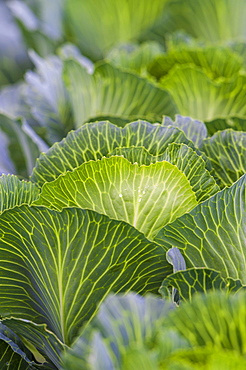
(95, 140)
(121, 190)
(213, 234)
(216, 62)
(185, 158)
(113, 92)
(14, 192)
(57, 267)
(221, 323)
(227, 153)
(196, 280)
(195, 130)
(213, 100)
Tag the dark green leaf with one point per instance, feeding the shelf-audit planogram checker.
(58, 266)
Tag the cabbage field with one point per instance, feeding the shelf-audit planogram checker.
(123, 185)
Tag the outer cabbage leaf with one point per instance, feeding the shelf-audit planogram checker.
(195, 280)
(97, 26)
(23, 145)
(14, 192)
(195, 130)
(116, 93)
(198, 96)
(213, 234)
(47, 97)
(227, 153)
(40, 23)
(147, 197)
(237, 123)
(134, 57)
(56, 267)
(226, 19)
(95, 140)
(216, 61)
(13, 353)
(70, 51)
(6, 164)
(13, 104)
(13, 55)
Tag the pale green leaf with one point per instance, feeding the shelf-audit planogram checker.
(198, 96)
(226, 19)
(113, 92)
(182, 156)
(147, 197)
(194, 167)
(134, 57)
(98, 26)
(185, 158)
(217, 62)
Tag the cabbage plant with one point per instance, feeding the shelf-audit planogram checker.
(111, 209)
(122, 194)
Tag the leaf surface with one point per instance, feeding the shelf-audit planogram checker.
(213, 234)
(227, 153)
(185, 158)
(195, 130)
(14, 192)
(196, 280)
(56, 267)
(95, 140)
(198, 96)
(147, 197)
(215, 61)
(113, 92)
